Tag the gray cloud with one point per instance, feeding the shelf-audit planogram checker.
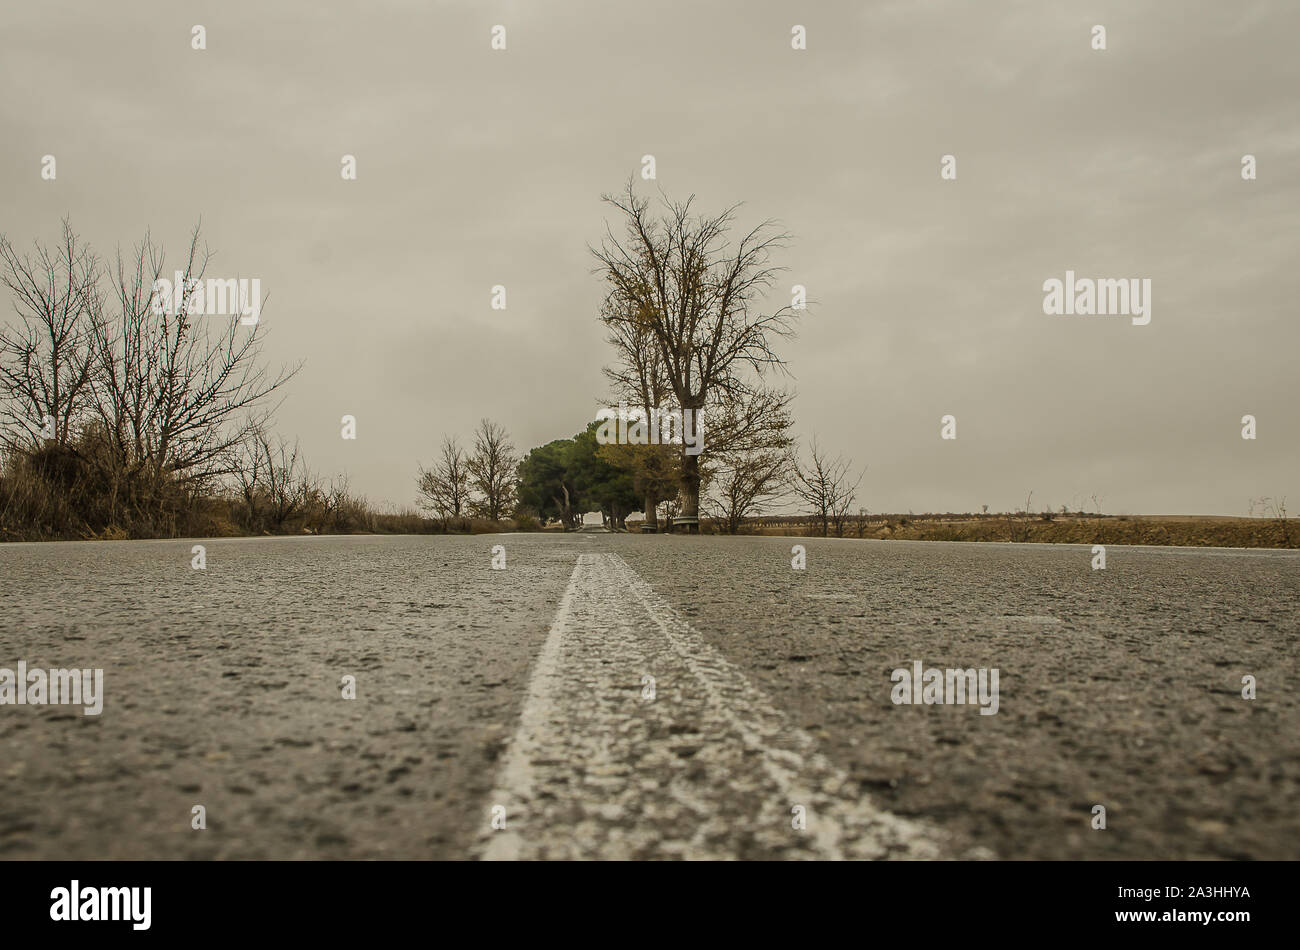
(478, 168)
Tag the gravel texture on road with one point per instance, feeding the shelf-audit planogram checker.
(1119, 687)
(222, 688)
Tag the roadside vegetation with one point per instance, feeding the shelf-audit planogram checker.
(1185, 530)
(120, 418)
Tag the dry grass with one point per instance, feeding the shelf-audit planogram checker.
(59, 495)
(1184, 530)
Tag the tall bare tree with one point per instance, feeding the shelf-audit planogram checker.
(492, 469)
(444, 489)
(827, 485)
(638, 378)
(46, 359)
(697, 293)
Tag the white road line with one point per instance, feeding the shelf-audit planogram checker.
(515, 778)
(708, 769)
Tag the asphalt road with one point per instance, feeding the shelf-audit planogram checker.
(619, 696)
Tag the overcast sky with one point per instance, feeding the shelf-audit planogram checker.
(479, 167)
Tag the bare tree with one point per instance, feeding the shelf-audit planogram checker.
(273, 481)
(46, 360)
(824, 484)
(288, 486)
(842, 501)
(331, 501)
(247, 473)
(176, 392)
(492, 471)
(744, 483)
(1274, 508)
(683, 283)
(1022, 528)
(444, 489)
(751, 462)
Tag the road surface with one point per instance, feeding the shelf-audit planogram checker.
(618, 696)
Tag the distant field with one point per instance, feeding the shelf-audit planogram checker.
(1188, 530)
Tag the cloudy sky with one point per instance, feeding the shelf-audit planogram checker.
(479, 167)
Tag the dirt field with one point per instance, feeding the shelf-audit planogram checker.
(1187, 530)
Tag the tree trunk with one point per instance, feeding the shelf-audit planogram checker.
(651, 513)
(690, 512)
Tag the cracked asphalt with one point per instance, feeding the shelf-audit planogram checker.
(1119, 688)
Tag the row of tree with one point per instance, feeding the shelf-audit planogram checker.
(116, 412)
(563, 479)
(479, 483)
(684, 317)
(559, 481)
(131, 409)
